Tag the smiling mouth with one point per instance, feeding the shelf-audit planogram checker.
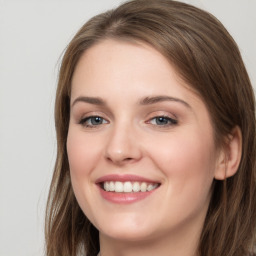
(128, 186)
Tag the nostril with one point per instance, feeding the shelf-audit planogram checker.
(120, 160)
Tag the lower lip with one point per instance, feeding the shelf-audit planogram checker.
(125, 198)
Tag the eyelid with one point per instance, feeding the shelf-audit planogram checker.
(82, 121)
(163, 114)
(90, 117)
(86, 114)
(173, 120)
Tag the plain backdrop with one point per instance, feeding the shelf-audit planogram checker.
(33, 35)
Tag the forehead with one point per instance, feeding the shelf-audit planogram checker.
(120, 65)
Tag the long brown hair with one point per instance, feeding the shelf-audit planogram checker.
(206, 58)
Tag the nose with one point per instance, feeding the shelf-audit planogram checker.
(123, 146)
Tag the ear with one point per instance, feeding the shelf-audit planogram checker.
(230, 155)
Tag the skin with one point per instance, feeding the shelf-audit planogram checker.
(181, 154)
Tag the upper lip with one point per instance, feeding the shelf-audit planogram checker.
(123, 178)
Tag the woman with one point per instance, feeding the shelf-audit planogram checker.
(155, 122)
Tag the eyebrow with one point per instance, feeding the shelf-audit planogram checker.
(91, 100)
(160, 98)
(145, 101)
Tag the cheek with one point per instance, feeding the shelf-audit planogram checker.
(82, 157)
(187, 161)
(82, 153)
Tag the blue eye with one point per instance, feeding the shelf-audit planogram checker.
(163, 121)
(91, 121)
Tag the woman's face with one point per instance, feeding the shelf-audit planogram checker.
(140, 144)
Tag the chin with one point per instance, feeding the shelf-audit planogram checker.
(128, 235)
(127, 229)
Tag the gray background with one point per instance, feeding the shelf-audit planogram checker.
(33, 35)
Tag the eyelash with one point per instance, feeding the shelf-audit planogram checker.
(89, 118)
(168, 121)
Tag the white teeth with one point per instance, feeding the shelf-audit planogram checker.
(143, 187)
(136, 187)
(151, 187)
(128, 186)
(111, 186)
(119, 187)
(106, 186)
